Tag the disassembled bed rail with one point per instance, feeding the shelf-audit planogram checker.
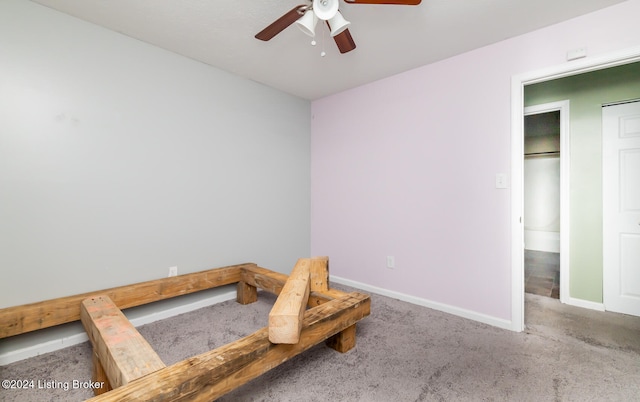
(124, 361)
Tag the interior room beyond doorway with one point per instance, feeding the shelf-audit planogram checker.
(542, 203)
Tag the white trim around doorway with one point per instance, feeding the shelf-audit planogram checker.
(565, 163)
(518, 83)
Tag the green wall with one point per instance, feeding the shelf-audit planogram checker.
(586, 93)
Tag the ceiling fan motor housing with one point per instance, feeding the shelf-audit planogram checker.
(325, 9)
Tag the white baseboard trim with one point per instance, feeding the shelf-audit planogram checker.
(542, 241)
(172, 312)
(7, 357)
(585, 304)
(16, 355)
(460, 312)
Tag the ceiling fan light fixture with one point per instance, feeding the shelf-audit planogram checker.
(325, 9)
(307, 23)
(338, 24)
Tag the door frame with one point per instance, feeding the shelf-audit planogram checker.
(565, 163)
(518, 83)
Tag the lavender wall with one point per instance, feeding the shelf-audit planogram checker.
(406, 167)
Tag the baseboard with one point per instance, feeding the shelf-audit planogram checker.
(460, 312)
(585, 304)
(542, 241)
(22, 353)
(77, 335)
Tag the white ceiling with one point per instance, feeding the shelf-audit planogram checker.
(390, 39)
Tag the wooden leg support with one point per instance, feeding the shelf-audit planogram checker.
(247, 294)
(343, 341)
(99, 375)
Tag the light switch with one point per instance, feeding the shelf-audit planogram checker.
(501, 180)
(391, 262)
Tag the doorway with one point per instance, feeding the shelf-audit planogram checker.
(546, 199)
(517, 168)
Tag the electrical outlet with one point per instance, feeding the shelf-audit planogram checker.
(391, 262)
(173, 271)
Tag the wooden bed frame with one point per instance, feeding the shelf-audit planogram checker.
(124, 361)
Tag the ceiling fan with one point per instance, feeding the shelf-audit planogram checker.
(307, 16)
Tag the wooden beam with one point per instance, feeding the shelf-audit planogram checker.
(285, 317)
(263, 278)
(123, 354)
(273, 282)
(31, 317)
(212, 374)
(319, 274)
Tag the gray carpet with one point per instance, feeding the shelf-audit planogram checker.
(404, 352)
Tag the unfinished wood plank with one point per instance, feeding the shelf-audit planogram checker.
(319, 271)
(263, 278)
(210, 375)
(285, 318)
(31, 317)
(123, 353)
(273, 282)
(246, 294)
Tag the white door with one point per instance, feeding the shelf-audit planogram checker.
(621, 207)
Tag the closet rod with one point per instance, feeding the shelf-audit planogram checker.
(543, 153)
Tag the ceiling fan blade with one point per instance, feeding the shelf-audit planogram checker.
(397, 2)
(281, 23)
(345, 41)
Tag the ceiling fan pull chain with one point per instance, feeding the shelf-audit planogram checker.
(323, 53)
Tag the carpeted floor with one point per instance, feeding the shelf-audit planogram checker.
(404, 352)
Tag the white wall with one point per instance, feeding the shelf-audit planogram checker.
(542, 204)
(119, 160)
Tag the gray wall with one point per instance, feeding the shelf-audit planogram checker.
(119, 160)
